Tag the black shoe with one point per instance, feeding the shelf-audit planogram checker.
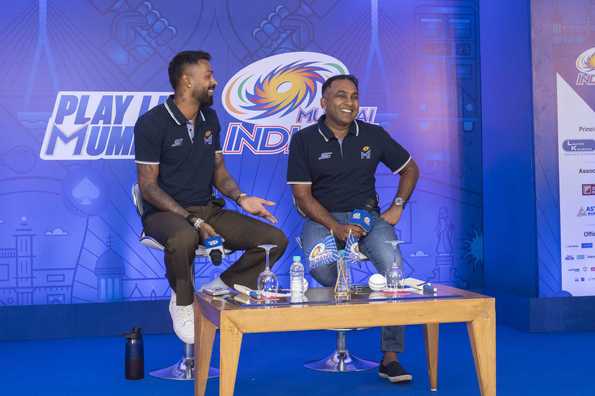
(394, 372)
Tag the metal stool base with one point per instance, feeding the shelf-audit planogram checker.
(341, 362)
(183, 370)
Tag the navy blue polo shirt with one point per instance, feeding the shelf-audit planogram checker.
(342, 173)
(184, 151)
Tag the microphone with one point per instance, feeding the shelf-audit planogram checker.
(361, 218)
(214, 247)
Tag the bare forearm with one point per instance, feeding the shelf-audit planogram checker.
(315, 211)
(408, 180)
(226, 184)
(153, 194)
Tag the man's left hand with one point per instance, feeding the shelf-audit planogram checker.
(392, 215)
(256, 206)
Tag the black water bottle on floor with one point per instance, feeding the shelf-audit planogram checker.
(134, 359)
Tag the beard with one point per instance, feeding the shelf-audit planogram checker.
(202, 96)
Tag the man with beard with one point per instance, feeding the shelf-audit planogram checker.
(179, 159)
(331, 170)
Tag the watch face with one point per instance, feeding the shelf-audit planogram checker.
(399, 201)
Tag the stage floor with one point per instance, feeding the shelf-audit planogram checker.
(527, 364)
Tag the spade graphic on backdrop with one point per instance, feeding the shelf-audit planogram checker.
(85, 192)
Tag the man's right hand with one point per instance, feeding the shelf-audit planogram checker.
(341, 231)
(206, 231)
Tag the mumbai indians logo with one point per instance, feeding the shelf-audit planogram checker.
(277, 86)
(279, 95)
(585, 64)
(95, 125)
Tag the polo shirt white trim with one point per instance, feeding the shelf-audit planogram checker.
(326, 139)
(172, 114)
(402, 166)
(146, 162)
(322, 134)
(296, 182)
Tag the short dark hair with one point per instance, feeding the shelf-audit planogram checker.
(349, 77)
(177, 64)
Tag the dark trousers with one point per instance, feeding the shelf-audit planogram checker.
(239, 232)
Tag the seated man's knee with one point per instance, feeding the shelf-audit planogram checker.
(277, 237)
(183, 240)
(326, 275)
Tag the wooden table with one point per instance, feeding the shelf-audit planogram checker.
(234, 320)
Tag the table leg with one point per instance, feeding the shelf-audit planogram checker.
(231, 342)
(482, 334)
(204, 335)
(431, 339)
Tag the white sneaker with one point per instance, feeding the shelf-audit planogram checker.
(183, 320)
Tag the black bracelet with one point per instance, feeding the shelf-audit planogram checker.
(239, 197)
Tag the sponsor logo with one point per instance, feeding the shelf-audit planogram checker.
(580, 256)
(572, 246)
(275, 97)
(586, 129)
(95, 125)
(587, 171)
(569, 257)
(589, 233)
(573, 270)
(366, 152)
(317, 251)
(178, 142)
(587, 245)
(208, 137)
(325, 156)
(585, 211)
(578, 145)
(588, 189)
(585, 64)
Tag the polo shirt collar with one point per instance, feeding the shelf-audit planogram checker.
(327, 134)
(175, 113)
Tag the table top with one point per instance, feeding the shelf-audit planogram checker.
(324, 296)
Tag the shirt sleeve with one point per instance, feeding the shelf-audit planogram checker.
(394, 156)
(147, 142)
(298, 171)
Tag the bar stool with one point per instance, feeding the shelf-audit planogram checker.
(183, 369)
(341, 360)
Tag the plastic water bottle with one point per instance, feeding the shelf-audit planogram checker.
(296, 278)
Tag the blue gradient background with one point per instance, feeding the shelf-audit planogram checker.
(418, 62)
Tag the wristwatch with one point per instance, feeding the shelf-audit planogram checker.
(240, 197)
(194, 221)
(399, 202)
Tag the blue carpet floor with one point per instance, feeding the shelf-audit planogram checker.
(271, 365)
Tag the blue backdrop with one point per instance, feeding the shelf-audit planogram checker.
(68, 226)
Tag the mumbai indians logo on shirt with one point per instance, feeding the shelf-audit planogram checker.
(585, 64)
(95, 125)
(278, 95)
